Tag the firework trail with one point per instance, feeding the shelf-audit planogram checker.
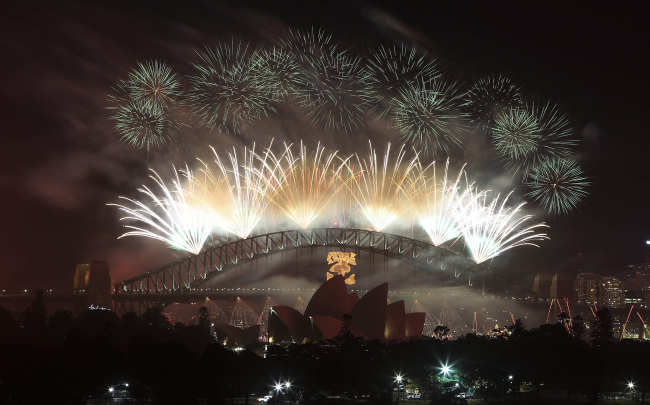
(154, 82)
(305, 183)
(234, 194)
(227, 90)
(379, 186)
(516, 136)
(143, 106)
(395, 67)
(489, 227)
(559, 185)
(337, 92)
(529, 136)
(308, 46)
(428, 115)
(280, 69)
(436, 204)
(143, 125)
(171, 218)
(556, 132)
(491, 95)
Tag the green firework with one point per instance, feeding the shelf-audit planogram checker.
(278, 67)
(144, 125)
(227, 92)
(428, 115)
(153, 82)
(559, 185)
(489, 96)
(395, 67)
(516, 136)
(338, 92)
(556, 134)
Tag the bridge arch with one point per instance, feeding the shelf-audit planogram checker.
(188, 274)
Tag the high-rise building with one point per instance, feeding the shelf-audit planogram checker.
(587, 288)
(94, 280)
(612, 293)
(542, 286)
(562, 287)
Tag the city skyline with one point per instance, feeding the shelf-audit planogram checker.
(62, 163)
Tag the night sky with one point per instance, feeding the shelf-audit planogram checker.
(62, 163)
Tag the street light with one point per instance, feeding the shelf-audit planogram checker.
(398, 382)
(445, 370)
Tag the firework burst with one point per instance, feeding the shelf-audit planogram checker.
(235, 193)
(154, 83)
(279, 68)
(337, 92)
(169, 217)
(397, 66)
(559, 185)
(305, 183)
(143, 125)
(436, 203)
(516, 136)
(227, 91)
(556, 134)
(379, 186)
(489, 96)
(427, 115)
(490, 228)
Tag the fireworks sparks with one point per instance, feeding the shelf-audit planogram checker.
(559, 185)
(305, 184)
(338, 92)
(516, 135)
(227, 91)
(170, 217)
(490, 227)
(437, 204)
(378, 187)
(489, 96)
(154, 82)
(143, 125)
(234, 193)
(395, 67)
(427, 115)
(231, 195)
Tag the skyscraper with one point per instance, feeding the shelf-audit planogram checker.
(587, 288)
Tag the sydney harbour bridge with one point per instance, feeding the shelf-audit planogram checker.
(259, 264)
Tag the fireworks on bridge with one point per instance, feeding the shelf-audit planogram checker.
(304, 184)
(234, 190)
(436, 203)
(489, 227)
(230, 196)
(380, 187)
(170, 216)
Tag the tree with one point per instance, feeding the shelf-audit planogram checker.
(602, 327)
(441, 332)
(578, 326)
(204, 318)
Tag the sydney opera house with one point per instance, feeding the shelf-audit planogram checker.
(331, 311)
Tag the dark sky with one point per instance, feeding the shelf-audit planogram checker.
(61, 164)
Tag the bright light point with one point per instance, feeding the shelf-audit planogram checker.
(398, 378)
(287, 384)
(510, 377)
(445, 369)
(630, 385)
(278, 387)
(110, 390)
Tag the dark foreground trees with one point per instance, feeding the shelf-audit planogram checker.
(70, 360)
